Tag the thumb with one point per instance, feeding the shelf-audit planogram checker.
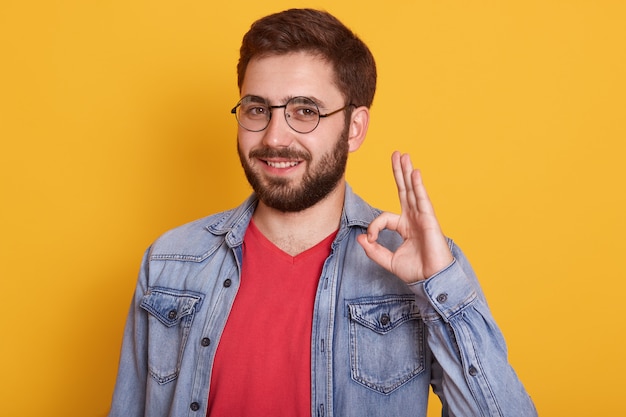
(375, 251)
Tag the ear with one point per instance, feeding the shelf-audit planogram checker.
(359, 121)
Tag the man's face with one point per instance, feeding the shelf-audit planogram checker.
(292, 171)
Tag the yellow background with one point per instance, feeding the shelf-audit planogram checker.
(115, 126)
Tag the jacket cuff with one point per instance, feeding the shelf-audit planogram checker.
(444, 294)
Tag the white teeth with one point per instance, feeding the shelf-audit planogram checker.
(281, 164)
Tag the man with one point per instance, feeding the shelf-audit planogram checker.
(304, 300)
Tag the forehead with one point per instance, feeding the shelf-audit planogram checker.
(279, 77)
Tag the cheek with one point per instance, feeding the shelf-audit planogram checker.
(243, 150)
(245, 141)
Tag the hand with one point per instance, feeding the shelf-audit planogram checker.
(425, 250)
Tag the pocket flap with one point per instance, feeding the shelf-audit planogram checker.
(383, 314)
(170, 306)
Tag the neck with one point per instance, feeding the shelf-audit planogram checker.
(295, 232)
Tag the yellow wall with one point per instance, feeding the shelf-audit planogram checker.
(115, 126)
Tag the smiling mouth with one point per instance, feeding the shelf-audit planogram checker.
(282, 164)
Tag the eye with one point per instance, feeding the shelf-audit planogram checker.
(304, 111)
(308, 111)
(254, 110)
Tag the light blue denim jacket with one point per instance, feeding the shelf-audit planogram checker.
(377, 343)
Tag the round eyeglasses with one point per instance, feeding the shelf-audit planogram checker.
(301, 113)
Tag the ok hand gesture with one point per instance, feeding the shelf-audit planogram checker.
(425, 250)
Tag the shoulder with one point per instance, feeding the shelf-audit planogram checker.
(194, 240)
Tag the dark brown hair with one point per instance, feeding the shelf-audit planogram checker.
(317, 32)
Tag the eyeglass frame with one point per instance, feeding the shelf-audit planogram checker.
(284, 106)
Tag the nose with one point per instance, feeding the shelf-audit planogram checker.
(278, 133)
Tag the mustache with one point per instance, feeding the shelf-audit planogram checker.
(286, 153)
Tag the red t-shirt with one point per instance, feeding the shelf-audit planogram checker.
(263, 362)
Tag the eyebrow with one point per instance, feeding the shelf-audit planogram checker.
(255, 99)
(320, 103)
(258, 99)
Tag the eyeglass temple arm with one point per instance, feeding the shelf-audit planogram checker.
(338, 110)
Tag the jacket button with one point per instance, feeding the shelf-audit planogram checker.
(205, 341)
(384, 319)
(442, 298)
(172, 314)
(227, 283)
(473, 371)
(194, 406)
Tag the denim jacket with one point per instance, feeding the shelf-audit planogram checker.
(377, 344)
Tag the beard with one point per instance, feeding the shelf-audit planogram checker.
(319, 180)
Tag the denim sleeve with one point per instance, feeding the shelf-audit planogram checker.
(471, 373)
(129, 395)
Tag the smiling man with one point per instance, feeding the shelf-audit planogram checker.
(304, 300)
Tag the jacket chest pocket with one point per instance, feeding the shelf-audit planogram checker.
(386, 341)
(171, 313)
